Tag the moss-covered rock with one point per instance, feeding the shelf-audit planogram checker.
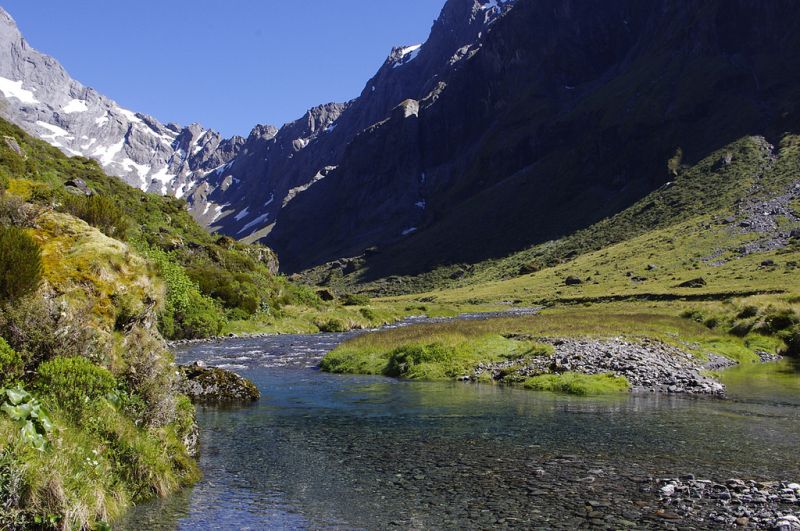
(208, 385)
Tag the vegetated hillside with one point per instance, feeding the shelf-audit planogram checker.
(709, 264)
(720, 245)
(723, 188)
(210, 278)
(90, 417)
(567, 113)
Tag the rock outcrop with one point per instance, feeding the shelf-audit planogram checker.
(212, 385)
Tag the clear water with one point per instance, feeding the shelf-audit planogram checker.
(323, 451)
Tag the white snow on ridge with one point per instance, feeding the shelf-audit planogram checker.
(100, 122)
(141, 169)
(55, 131)
(107, 154)
(163, 177)
(130, 115)
(407, 54)
(75, 106)
(243, 214)
(89, 143)
(409, 49)
(260, 219)
(13, 89)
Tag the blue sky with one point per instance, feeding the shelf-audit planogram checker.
(228, 65)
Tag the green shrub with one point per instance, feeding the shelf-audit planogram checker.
(188, 314)
(98, 211)
(12, 365)
(332, 325)
(741, 328)
(791, 337)
(73, 383)
(367, 313)
(20, 264)
(354, 299)
(781, 320)
(41, 329)
(403, 359)
(748, 312)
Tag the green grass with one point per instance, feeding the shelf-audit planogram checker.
(578, 384)
(442, 351)
(427, 353)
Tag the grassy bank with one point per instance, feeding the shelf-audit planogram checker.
(441, 351)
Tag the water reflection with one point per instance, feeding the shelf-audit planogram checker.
(327, 451)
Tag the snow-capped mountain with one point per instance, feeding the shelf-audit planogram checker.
(237, 186)
(514, 123)
(42, 98)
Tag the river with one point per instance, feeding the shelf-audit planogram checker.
(322, 451)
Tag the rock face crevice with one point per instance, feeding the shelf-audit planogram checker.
(516, 122)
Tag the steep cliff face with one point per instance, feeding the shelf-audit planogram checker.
(564, 113)
(516, 122)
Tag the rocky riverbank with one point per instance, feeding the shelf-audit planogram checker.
(733, 504)
(649, 365)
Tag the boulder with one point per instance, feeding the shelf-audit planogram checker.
(698, 282)
(79, 187)
(572, 281)
(212, 385)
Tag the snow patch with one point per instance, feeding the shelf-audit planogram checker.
(130, 115)
(55, 131)
(407, 54)
(421, 204)
(75, 106)
(89, 144)
(100, 122)
(107, 154)
(217, 212)
(141, 169)
(163, 177)
(260, 219)
(408, 231)
(13, 89)
(243, 214)
(271, 199)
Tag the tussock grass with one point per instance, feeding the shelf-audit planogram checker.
(578, 384)
(450, 349)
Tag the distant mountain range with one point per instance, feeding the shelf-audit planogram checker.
(516, 122)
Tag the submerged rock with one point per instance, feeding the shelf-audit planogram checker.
(214, 385)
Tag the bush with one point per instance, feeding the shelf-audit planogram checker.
(791, 337)
(332, 325)
(73, 383)
(747, 312)
(98, 211)
(41, 329)
(12, 366)
(20, 264)
(353, 299)
(187, 314)
(403, 359)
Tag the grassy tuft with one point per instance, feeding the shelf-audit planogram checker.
(578, 384)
